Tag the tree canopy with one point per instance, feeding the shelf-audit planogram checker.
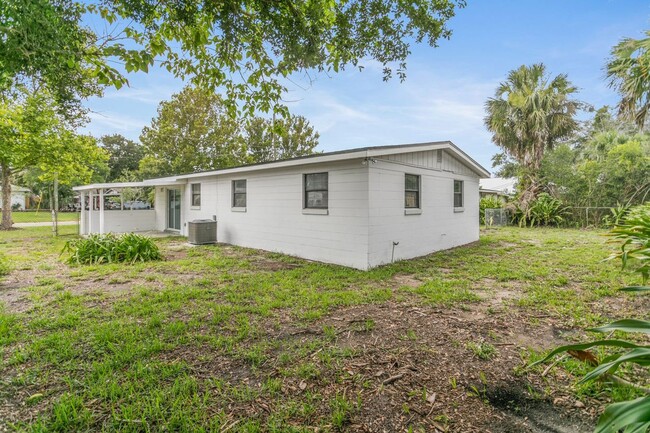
(628, 71)
(124, 155)
(193, 132)
(243, 47)
(529, 114)
(35, 135)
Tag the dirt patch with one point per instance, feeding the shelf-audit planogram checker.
(404, 280)
(518, 411)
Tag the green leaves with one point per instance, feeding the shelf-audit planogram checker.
(625, 325)
(634, 233)
(110, 248)
(627, 71)
(633, 416)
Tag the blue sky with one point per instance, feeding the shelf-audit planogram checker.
(446, 87)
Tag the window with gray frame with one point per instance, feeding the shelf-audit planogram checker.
(196, 195)
(411, 191)
(239, 193)
(458, 193)
(316, 190)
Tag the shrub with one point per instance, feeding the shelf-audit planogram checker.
(632, 415)
(634, 232)
(545, 211)
(110, 248)
(4, 266)
(489, 202)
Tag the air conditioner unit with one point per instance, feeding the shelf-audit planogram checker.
(202, 232)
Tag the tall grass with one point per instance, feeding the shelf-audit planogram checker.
(110, 248)
(4, 266)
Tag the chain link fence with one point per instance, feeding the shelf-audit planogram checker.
(578, 217)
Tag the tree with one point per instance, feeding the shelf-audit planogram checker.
(269, 140)
(628, 72)
(192, 132)
(529, 114)
(124, 155)
(43, 45)
(34, 134)
(246, 46)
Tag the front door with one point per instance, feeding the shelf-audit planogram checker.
(174, 209)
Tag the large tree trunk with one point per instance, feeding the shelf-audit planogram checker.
(6, 198)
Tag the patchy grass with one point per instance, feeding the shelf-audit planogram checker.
(227, 338)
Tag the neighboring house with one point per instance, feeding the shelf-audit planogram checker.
(359, 208)
(19, 197)
(500, 187)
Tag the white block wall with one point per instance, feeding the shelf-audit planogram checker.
(365, 216)
(275, 220)
(437, 227)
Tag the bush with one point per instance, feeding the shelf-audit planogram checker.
(110, 248)
(634, 231)
(489, 202)
(4, 266)
(545, 211)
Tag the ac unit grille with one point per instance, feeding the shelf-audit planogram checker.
(202, 232)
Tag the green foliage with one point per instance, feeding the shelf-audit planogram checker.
(546, 211)
(617, 215)
(4, 266)
(43, 45)
(489, 202)
(627, 71)
(482, 350)
(193, 132)
(35, 135)
(287, 138)
(110, 248)
(246, 47)
(634, 233)
(529, 114)
(124, 155)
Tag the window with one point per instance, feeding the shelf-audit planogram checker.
(316, 191)
(239, 193)
(196, 195)
(458, 193)
(412, 191)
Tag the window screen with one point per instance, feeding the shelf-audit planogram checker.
(411, 191)
(196, 194)
(239, 193)
(316, 190)
(458, 193)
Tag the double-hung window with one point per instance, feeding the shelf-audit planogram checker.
(239, 193)
(316, 191)
(458, 194)
(196, 195)
(412, 191)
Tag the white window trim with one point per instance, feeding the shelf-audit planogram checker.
(238, 209)
(192, 207)
(315, 211)
(413, 211)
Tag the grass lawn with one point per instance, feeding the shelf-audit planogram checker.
(222, 338)
(41, 216)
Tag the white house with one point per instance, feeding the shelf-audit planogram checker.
(18, 197)
(359, 208)
(500, 187)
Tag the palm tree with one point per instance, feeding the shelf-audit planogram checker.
(629, 73)
(528, 115)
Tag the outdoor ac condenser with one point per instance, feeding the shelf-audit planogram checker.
(202, 232)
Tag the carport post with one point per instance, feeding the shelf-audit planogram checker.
(101, 211)
(82, 220)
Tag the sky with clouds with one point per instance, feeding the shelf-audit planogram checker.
(446, 87)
